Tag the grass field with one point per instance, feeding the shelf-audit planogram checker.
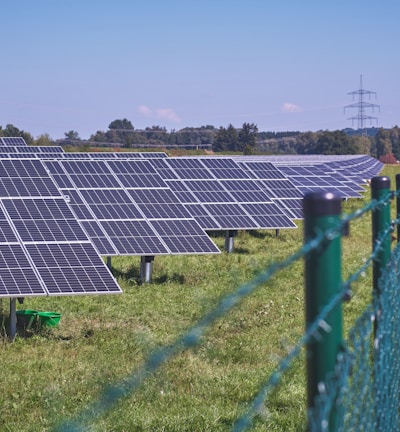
(51, 375)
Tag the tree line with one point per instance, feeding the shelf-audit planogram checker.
(379, 142)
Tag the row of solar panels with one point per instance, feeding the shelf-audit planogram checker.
(50, 208)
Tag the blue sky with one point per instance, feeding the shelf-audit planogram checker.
(281, 64)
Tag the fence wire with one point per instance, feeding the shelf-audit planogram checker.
(365, 386)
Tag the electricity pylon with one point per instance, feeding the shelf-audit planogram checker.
(362, 105)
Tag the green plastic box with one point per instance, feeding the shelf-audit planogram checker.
(26, 317)
(49, 319)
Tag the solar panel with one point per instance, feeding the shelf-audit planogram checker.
(113, 155)
(39, 149)
(189, 168)
(183, 236)
(12, 141)
(159, 204)
(203, 216)
(99, 237)
(36, 221)
(230, 216)
(119, 219)
(17, 276)
(135, 237)
(25, 178)
(71, 268)
(181, 191)
(224, 169)
(44, 220)
(9, 149)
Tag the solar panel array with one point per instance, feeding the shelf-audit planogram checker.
(44, 250)
(60, 211)
(341, 174)
(220, 194)
(343, 177)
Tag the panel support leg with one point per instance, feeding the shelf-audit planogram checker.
(229, 240)
(146, 268)
(13, 319)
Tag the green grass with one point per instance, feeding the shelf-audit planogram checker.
(48, 376)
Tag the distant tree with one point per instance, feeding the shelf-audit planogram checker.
(12, 131)
(395, 140)
(226, 139)
(248, 150)
(388, 158)
(232, 138)
(247, 136)
(383, 143)
(156, 128)
(220, 141)
(99, 136)
(306, 143)
(334, 143)
(362, 144)
(72, 135)
(44, 140)
(121, 124)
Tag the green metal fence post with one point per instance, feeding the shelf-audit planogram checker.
(322, 212)
(398, 205)
(380, 188)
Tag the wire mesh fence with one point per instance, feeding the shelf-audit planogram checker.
(363, 388)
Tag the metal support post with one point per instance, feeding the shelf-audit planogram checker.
(146, 268)
(380, 188)
(322, 282)
(398, 205)
(109, 262)
(229, 240)
(13, 319)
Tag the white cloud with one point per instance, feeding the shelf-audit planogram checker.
(168, 114)
(145, 110)
(159, 113)
(289, 107)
